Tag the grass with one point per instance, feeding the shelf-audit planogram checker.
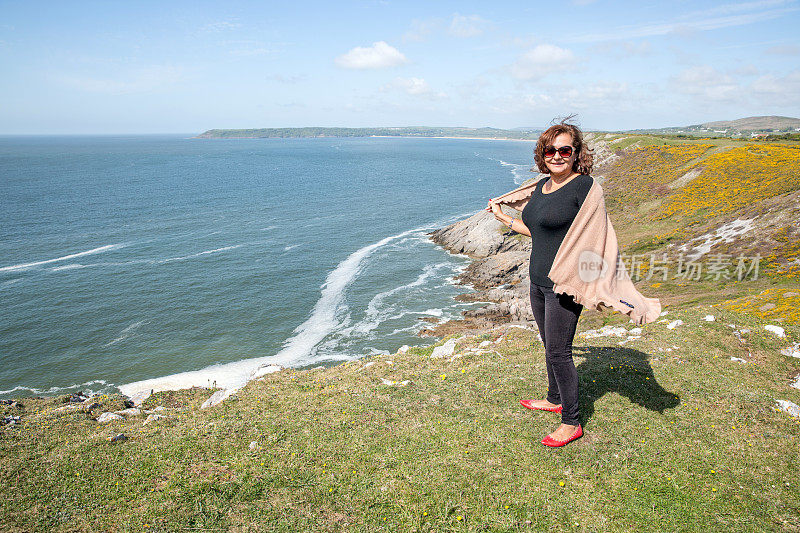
(678, 437)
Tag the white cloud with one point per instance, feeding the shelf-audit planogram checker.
(467, 26)
(745, 70)
(379, 55)
(784, 90)
(414, 87)
(421, 29)
(706, 81)
(140, 80)
(729, 9)
(729, 16)
(567, 99)
(542, 60)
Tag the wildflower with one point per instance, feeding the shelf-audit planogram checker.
(561, 483)
(425, 513)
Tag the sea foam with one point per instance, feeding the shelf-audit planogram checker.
(25, 266)
(298, 350)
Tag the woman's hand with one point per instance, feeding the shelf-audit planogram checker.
(496, 211)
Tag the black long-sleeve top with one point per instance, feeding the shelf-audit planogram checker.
(548, 217)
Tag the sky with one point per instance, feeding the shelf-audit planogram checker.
(116, 67)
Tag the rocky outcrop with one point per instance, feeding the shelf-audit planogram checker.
(499, 272)
(503, 268)
(481, 235)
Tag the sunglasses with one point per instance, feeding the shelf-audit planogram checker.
(564, 151)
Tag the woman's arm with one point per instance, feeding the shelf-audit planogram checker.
(515, 224)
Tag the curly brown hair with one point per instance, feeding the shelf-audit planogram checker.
(584, 159)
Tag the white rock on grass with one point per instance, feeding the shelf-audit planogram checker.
(605, 331)
(152, 418)
(777, 330)
(445, 350)
(140, 397)
(133, 411)
(635, 331)
(789, 407)
(109, 417)
(395, 383)
(217, 398)
(253, 445)
(674, 324)
(520, 326)
(709, 318)
(663, 313)
(792, 351)
(738, 359)
(367, 365)
(484, 344)
(404, 348)
(796, 383)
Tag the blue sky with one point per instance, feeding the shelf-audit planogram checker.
(184, 67)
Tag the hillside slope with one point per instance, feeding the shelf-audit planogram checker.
(703, 221)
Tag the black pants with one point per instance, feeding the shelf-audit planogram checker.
(557, 317)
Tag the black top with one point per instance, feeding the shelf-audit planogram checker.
(548, 217)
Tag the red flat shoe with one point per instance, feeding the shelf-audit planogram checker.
(549, 441)
(529, 405)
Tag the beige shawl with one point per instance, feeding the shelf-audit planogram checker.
(587, 265)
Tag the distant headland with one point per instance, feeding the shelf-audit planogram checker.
(480, 133)
(749, 127)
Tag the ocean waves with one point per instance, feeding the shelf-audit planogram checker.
(93, 251)
(89, 388)
(339, 327)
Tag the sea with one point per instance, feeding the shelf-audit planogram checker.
(166, 261)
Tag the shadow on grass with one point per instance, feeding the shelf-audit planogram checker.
(622, 370)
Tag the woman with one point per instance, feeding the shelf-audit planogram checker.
(549, 213)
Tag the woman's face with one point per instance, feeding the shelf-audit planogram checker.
(558, 164)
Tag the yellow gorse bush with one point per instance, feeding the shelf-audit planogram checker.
(770, 304)
(643, 175)
(736, 178)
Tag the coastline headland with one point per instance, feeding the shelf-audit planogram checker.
(417, 132)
